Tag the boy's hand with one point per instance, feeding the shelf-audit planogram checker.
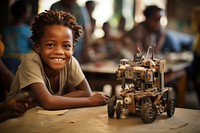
(99, 99)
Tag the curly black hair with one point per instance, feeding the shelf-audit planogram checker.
(150, 10)
(54, 17)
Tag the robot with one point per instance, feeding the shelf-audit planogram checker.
(143, 91)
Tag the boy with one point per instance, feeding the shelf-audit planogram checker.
(52, 76)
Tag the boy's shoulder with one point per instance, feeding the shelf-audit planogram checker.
(74, 61)
(31, 57)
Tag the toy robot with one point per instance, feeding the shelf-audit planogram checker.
(143, 90)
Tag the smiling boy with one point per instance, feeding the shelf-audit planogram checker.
(51, 75)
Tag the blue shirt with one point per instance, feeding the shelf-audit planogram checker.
(16, 39)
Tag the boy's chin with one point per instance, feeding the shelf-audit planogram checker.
(58, 68)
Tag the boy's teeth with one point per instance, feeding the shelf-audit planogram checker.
(58, 59)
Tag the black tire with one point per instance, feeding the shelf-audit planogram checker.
(119, 110)
(170, 103)
(111, 107)
(148, 113)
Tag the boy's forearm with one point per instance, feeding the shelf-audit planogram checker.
(61, 102)
(78, 93)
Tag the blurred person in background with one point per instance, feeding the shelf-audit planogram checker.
(194, 69)
(150, 32)
(106, 47)
(82, 17)
(90, 6)
(125, 44)
(121, 26)
(6, 77)
(16, 35)
(12, 107)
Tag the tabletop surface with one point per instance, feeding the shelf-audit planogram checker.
(95, 120)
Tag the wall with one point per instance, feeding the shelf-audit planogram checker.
(179, 14)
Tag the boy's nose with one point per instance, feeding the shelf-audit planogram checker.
(59, 51)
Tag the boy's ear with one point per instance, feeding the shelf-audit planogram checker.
(37, 48)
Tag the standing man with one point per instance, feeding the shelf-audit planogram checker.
(82, 17)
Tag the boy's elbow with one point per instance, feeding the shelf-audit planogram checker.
(47, 104)
(89, 94)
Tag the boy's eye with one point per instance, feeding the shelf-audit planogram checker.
(67, 46)
(50, 45)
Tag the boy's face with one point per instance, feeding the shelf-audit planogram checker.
(56, 46)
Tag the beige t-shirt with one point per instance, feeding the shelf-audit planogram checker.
(31, 71)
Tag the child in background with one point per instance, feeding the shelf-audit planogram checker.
(16, 35)
(51, 75)
(12, 107)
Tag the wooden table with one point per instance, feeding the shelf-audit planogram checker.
(103, 72)
(95, 120)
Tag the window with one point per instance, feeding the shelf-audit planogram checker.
(104, 11)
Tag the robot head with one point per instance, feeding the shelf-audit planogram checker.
(148, 63)
(138, 56)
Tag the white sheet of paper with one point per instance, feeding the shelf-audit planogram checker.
(52, 112)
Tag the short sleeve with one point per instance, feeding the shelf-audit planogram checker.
(30, 71)
(76, 75)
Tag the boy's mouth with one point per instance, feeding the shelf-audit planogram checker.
(58, 59)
